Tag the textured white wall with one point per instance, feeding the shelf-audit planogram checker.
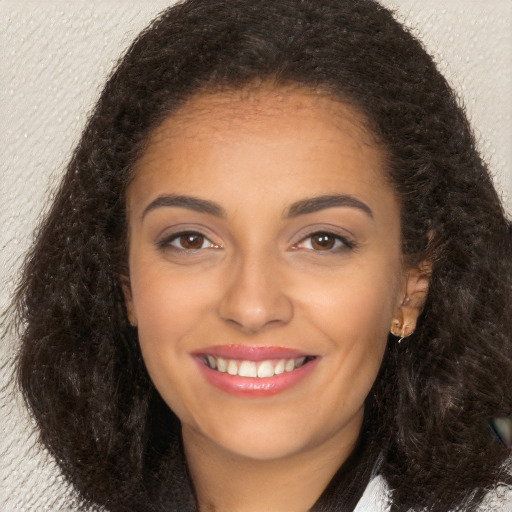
(55, 55)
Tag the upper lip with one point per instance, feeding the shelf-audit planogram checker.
(251, 352)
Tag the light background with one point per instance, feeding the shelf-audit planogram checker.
(55, 56)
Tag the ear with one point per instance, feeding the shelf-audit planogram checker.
(128, 299)
(411, 301)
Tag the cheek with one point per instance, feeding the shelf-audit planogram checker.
(353, 312)
(359, 301)
(165, 300)
(168, 309)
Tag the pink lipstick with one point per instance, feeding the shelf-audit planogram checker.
(247, 370)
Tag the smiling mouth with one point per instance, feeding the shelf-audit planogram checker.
(255, 369)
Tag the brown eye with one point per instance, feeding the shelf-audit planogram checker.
(187, 241)
(323, 241)
(191, 241)
(327, 242)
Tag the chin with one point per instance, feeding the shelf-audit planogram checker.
(262, 448)
(262, 437)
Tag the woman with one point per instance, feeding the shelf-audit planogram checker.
(276, 274)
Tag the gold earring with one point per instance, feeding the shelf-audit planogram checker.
(402, 335)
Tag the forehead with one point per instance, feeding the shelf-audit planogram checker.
(264, 135)
(212, 115)
(245, 109)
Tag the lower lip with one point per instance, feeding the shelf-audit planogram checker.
(254, 386)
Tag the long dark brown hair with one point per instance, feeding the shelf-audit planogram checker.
(426, 425)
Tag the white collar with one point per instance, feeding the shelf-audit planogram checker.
(375, 496)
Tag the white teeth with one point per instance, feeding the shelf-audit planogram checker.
(290, 365)
(232, 367)
(279, 367)
(265, 369)
(247, 369)
(221, 365)
(252, 369)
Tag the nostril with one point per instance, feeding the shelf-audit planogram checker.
(252, 313)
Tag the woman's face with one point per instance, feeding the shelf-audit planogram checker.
(265, 269)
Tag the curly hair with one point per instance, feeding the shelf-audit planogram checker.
(80, 366)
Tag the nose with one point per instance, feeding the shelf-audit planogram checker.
(254, 298)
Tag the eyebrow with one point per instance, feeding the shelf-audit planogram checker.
(319, 203)
(303, 207)
(189, 202)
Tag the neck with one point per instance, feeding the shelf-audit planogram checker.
(227, 482)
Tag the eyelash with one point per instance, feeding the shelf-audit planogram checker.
(341, 243)
(167, 242)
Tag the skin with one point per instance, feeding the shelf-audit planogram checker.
(259, 279)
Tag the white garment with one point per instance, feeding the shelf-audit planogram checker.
(376, 498)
